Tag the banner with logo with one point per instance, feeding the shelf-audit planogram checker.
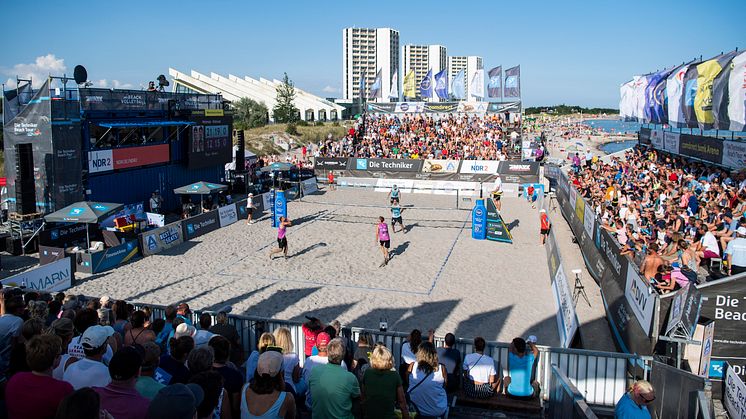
(108, 99)
(703, 148)
(66, 236)
(706, 73)
(734, 154)
(382, 107)
(227, 215)
(49, 254)
(441, 84)
(656, 139)
(671, 142)
(644, 135)
(393, 165)
(67, 181)
(441, 107)
(488, 167)
(107, 259)
(309, 186)
(458, 85)
(494, 86)
(158, 220)
(200, 224)
(100, 161)
(567, 320)
(160, 239)
(473, 107)
(280, 208)
(330, 163)
(440, 166)
(641, 298)
(426, 85)
(735, 395)
(52, 277)
(519, 172)
(410, 107)
(512, 86)
(737, 94)
(675, 92)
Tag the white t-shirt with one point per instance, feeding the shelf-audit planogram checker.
(498, 185)
(87, 373)
(710, 243)
(407, 356)
(480, 367)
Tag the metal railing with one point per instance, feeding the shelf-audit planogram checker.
(565, 401)
(601, 378)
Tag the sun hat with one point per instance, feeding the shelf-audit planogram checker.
(270, 363)
(184, 330)
(322, 339)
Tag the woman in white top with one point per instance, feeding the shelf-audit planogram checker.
(291, 362)
(408, 351)
(427, 383)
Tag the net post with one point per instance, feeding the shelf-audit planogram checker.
(457, 199)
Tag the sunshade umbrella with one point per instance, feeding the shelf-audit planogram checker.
(277, 167)
(84, 212)
(201, 189)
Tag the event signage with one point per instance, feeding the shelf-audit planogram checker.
(392, 165)
(671, 141)
(200, 224)
(280, 208)
(441, 107)
(227, 215)
(640, 298)
(488, 167)
(496, 228)
(684, 311)
(703, 148)
(410, 107)
(330, 163)
(210, 142)
(109, 258)
(734, 154)
(158, 220)
(160, 239)
(735, 395)
(63, 236)
(52, 277)
(440, 166)
(49, 254)
(566, 317)
(124, 158)
(478, 220)
(309, 186)
(656, 138)
(644, 135)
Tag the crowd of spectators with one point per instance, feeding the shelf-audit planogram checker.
(452, 136)
(670, 214)
(65, 356)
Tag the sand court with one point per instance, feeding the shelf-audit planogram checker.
(438, 276)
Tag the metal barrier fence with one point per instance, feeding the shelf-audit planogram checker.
(565, 401)
(600, 377)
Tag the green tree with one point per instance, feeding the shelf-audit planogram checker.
(249, 114)
(284, 111)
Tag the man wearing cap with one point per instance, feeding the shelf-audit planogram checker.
(332, 386)
(497, 193)
(120, 398)
(250, 209)
(545, 225)
(91, 371)
(146, 384)
(177, 401)
(736, 252)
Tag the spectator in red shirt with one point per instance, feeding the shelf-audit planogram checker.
(120, 398)
(311, 328)
(36, 394)
(545, 226)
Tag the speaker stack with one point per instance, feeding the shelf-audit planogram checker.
(25, 187)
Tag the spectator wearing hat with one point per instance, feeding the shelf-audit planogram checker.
(177, 401)
(85, 319)
(173, 363)
(91, 371)
(332, 386)
(146, 384)
(265, 395)
(120, 398)
(736, 252)
(37, 394)
(212, 405)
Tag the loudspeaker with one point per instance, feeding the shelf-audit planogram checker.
(240, 152)
(25, 187)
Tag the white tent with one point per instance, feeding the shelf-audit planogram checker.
(249, 156)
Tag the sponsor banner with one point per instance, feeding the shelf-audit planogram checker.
(472, 107)
(309, 186)
(671, 142)
(513, 107)
(280, 208)
(66, 236)
(644, 135)
(588, 220)
(227, 215)
(706, 354)
(158, 220)
(67, 181)
(580, 208)
(441, 107)
(110, 258)
(567, 320)
(123, 158)
(392, 165)
(52, 277)
(107, 100)
(200, 224)
(641, 299)
(209, 142)
(100, 161)
(410, 107)
(266, 201)
(444, 177)
(656, 139)
(523, 170)
(496, 228)
(734, 154)
(488, 167)
(160, 239)
(381, 107)
(330, 163)
(703, 148)
(440, 166)
(735, 395)
(49, 254)
(684, 310)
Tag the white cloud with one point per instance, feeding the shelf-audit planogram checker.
(37, 71)
(116, 84)
(100, 83)
(330, 89)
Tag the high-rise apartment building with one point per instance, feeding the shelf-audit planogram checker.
(364, 52)
(470, 64)
(421, 59)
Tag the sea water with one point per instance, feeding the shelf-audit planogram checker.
(610, 148)
(613, 125)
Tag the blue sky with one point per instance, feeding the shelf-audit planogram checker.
(570, 52)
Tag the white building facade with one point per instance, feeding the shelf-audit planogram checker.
(421, 59)
(364, 52)
(469, 63)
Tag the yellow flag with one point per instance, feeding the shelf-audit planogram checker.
(707, 72)
(409, 85)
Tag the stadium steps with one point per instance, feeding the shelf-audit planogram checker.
(497, 406)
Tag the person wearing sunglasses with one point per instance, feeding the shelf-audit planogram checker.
(634, 404)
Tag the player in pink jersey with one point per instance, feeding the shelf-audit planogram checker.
(282, 241)
(382, 237)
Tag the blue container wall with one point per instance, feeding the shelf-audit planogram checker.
(137, 185)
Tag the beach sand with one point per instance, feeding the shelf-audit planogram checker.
(438, 277)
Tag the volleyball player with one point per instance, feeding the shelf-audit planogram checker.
(396, 211)
(383, 239)
(394, 194)
(282, 240)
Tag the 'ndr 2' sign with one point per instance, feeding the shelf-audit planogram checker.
(100, 161)
(486, 167)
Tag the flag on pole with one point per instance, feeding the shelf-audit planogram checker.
(512, 87)
(441, 84)
(476, 86)
(394, 92)
(458, 85)
(729, 96)
(675, 93)
(375, 88)
(409, 89)
(707, 72)
(362, 84)
(494, 86)
(426, 85)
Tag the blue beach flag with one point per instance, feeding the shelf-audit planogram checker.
(426, 85)
(458, 85)
(441, 84)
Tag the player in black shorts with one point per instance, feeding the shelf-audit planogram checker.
(396, 211)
